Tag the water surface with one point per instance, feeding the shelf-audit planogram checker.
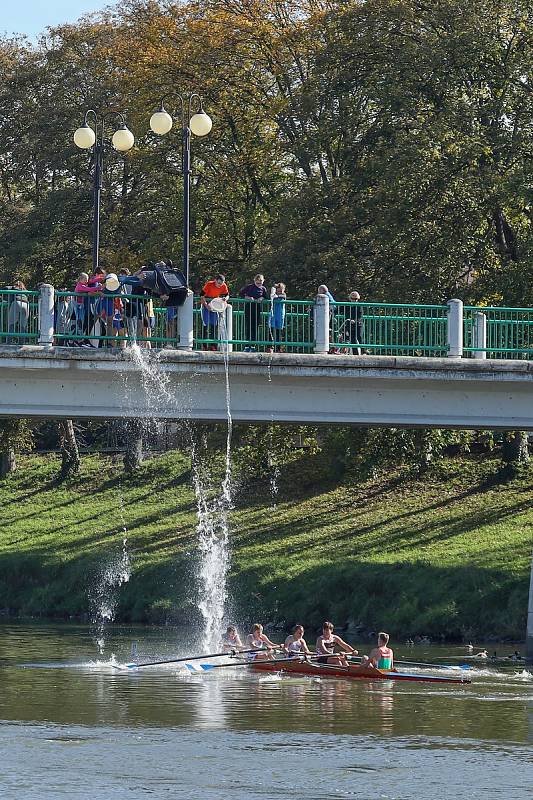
(74, 725)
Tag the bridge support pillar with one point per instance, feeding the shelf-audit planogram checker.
(529, 632)
(46, 315)
(185, 323)
(321, 318)
(480, 334)
(455, 328)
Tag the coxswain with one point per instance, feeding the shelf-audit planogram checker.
(295, 644)
(325, 647)
(257, 640)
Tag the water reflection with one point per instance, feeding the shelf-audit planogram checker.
(66, 684)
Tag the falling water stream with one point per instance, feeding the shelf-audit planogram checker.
(213, 506)
(103, 594)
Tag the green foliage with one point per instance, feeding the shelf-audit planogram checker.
(441, 555)
(383, 146)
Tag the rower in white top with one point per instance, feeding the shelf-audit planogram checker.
(295, 644)
(231, 641)
(325, 647)
(257, 640)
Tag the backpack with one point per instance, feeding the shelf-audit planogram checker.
(167, 280)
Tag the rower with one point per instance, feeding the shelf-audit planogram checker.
(295, 645)
(381, 656)
(325, 647)
(231, 640)
(257, 640)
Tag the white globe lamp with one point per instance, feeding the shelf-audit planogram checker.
(200, 123)
(160, 122)
(84, 137)
(123, 139)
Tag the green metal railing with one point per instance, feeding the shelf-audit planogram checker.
(282, 326)
(102, 321)
(386, 329)
(509, 332)
(19, 316)
(278, 326)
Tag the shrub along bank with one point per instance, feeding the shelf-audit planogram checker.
(446, 554)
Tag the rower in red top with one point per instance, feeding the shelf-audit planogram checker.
(381, 656)
(325, 647)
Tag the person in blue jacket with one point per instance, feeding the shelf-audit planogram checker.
(276, 318)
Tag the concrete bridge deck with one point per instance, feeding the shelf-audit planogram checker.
(331, 389)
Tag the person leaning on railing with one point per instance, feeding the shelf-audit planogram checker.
(213, 289)
(83, 290)
(255, 293)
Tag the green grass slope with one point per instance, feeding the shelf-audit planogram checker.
(448, 554)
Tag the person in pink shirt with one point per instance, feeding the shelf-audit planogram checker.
(82, 291)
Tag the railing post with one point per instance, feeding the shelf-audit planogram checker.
(226, 345)
(185, 323)
(455, 328)
(46, 315)
(321, 318)
(480, 334)
(529, 631)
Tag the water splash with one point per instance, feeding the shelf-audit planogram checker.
(213, 505)
(213, 527)
(103, 596)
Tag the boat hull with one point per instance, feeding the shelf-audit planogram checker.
(353, 672)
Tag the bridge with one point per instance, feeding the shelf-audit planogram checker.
(394, 391)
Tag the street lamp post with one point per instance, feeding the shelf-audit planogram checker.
(198, 124)
(86, 137)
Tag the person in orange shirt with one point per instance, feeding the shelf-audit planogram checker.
(216, 288)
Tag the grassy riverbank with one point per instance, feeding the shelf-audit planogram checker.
(446, 554)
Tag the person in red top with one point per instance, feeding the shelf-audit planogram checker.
(216, 288)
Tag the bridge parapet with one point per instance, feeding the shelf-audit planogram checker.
(294, 326)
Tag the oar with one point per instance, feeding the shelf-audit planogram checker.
(207, 667)
(230, 653)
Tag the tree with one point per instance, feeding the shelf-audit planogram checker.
(68, 445)
(15, 436)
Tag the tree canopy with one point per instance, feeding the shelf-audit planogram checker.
(384, 146)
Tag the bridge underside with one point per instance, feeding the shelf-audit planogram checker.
(329, 389)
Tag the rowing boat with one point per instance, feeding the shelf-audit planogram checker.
(352, 672)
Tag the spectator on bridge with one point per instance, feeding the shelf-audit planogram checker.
(135, 311)
(276, 318)
(98, 308)
(83, 291)
(255, 293)
(18, 313)
(353, 324)
(213, 289)
(323, 290)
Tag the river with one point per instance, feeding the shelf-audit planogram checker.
(74, 725)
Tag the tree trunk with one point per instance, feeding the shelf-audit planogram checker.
(515, 448)
(133, 441)
(8, 462)
(70, 454)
